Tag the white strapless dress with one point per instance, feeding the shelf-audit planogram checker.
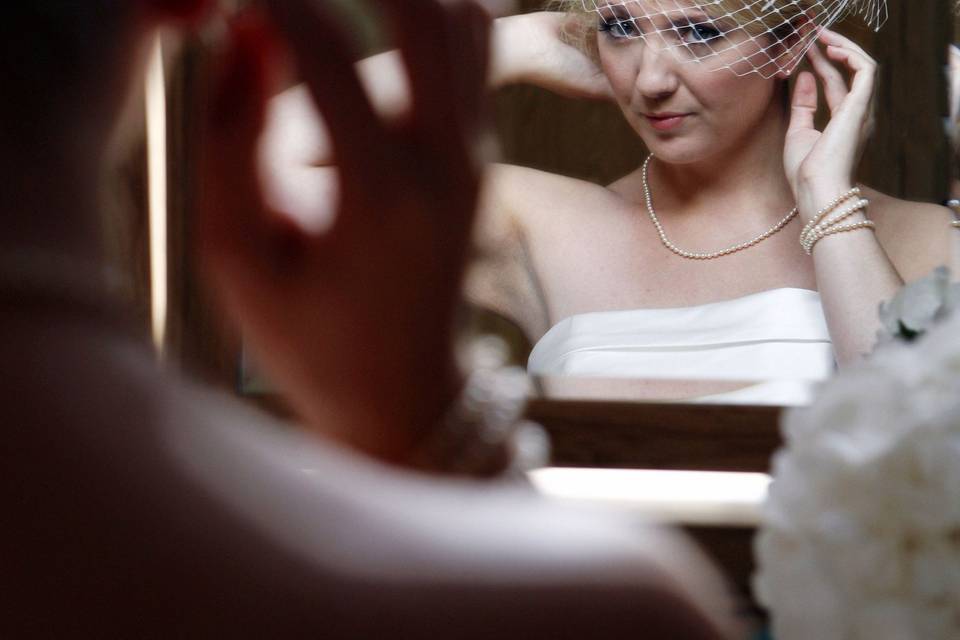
(777, 340)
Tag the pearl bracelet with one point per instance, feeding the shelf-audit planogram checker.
(836, 202)
(810, 237)
(840, 228)
(823, 224)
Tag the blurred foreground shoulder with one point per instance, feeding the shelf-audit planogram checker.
(416, 556)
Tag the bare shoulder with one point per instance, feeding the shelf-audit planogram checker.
(535, 206)
(917, 236)
(530, 195)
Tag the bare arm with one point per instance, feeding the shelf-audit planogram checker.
(502, 277)
(854, 273)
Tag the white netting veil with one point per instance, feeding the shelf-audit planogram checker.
(745, 36)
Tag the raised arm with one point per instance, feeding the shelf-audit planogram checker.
(533, 49)
(854, 273)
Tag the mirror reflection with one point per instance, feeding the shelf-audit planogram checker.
(688, 267)
(702, 201)
(658, 244)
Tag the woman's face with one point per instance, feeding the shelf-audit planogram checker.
(684, 109)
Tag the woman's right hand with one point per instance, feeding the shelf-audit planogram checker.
(530, 48)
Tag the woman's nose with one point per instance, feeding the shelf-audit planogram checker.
(656, 78)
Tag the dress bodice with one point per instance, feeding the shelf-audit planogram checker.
(778, 336)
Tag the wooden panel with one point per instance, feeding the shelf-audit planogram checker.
(659, 436)
(908, 155)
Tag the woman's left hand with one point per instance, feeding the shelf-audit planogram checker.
(821, 165)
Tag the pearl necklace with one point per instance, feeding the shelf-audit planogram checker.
(704, 256)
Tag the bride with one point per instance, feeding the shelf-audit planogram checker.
(691, 263)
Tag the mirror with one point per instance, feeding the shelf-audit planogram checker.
(593, 345)
(908, 156)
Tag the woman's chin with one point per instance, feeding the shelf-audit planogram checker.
(679, 151)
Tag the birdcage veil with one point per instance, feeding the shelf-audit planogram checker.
(766, 37)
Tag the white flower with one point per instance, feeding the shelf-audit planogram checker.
(918, 306)
(861, 528)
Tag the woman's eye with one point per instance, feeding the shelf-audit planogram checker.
(619, 28)
(698, 34)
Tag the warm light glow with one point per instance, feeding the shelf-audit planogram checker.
(156, 97)
(682, 497)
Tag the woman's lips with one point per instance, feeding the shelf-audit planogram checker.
(666, 121)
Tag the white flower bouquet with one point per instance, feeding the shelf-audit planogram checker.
(860, 537)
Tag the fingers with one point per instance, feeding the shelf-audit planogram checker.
(424, 37)
(446, 52)
(232, 222)
(445, 48)
(472, 26)
(295, 167)
(476, 26)
(854, 105)
(844, 50)
(830, 37)
(444, 44)
(324, 58)
(803, 108)
(834, 83)
(864, 69)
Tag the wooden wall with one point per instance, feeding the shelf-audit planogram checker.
(909, 155)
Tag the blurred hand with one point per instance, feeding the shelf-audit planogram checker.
(296, 158)
(353, 323)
